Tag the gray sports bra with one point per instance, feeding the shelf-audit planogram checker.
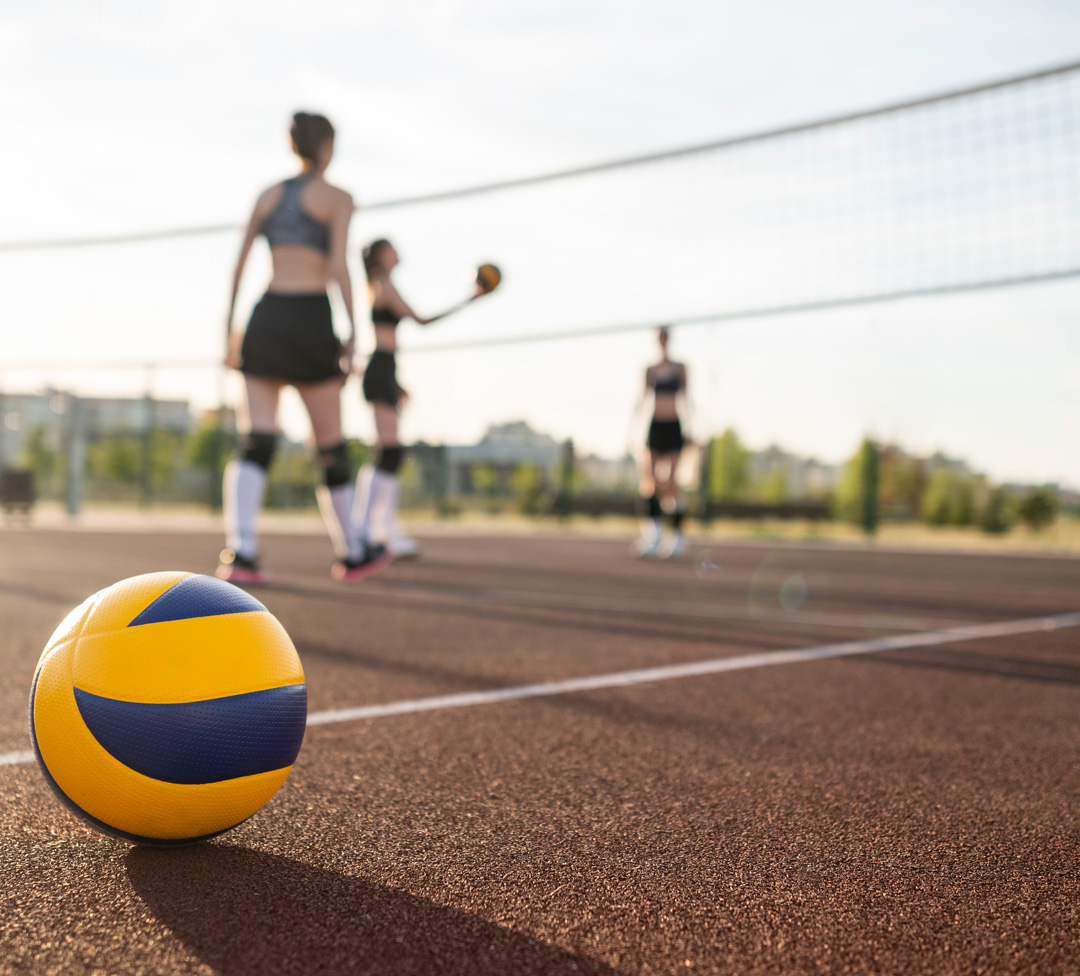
(287, 223)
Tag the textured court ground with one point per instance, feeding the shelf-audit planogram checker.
(906, 811)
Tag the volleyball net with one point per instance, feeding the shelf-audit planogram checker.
(963, 191)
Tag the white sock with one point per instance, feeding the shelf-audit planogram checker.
(373, 494)
(242, 499)
(336, 505)
(390, 515)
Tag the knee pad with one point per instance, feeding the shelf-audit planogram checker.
(389, 459)
(335, 464)
(258, 448)
(655, 511)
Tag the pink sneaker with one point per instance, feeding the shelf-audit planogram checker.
(374, 560)
(236, 569)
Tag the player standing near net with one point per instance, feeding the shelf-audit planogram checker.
(666, 381)
(378, 486)
(290, 340)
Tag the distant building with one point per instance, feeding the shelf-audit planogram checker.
(50, 412)
(803, 477)
(608, 474)
(450, 469)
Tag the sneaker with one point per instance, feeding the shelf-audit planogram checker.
(375, 559)
(676, 547)
(402, 546)
(647, 548)
(235, 568)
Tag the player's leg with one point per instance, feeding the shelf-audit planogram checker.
(335, 495)
(378, 482)
(245, 479)
(649, 543)
(676, 508)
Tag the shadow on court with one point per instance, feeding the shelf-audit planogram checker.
(992, 665)
(244, 912)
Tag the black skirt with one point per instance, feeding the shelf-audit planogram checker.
(291, 338)
(380, 378)
(665, 436)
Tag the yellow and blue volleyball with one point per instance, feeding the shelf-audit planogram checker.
(168, 708)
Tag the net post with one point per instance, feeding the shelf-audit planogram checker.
(76, 453)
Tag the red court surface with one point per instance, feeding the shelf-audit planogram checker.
(911, 808)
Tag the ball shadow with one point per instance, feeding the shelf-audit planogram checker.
(245, 912)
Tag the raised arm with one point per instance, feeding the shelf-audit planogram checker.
(401, 308)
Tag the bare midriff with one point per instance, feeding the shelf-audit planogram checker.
(665, 407)
(298, 271)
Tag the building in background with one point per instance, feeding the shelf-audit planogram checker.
(50, 411)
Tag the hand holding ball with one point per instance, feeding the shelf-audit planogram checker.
(488, 277)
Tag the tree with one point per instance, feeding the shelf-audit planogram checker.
(857, 495)
(729, 468)
(1038, 509)
(527, 484)
(38, 455)
(994, 517)
(949, 498)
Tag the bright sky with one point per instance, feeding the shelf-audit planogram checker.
(151, 113)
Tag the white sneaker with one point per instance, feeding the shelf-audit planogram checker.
(402, 546)
(676, 547)
(648, 546)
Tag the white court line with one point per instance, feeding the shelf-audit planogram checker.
(744, 662)
(620, 679)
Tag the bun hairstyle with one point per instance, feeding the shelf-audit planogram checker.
(371, 253)
(309, 133)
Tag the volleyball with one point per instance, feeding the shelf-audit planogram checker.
(488, 277)
(168, 708)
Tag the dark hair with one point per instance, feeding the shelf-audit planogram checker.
(371, 253)
(663, 332)
(309, 133)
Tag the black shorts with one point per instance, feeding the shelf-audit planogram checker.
(380, 379)
(665, 436)
(291, 338)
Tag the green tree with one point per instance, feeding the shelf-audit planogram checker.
(729, 468)
(208, 450)
(117, 458)
(773, 488)
(857, 493)
(38, 455)
(949, 498)
(527, 484)
(1038, 509)
(994, 516)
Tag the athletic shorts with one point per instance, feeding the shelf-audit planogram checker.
(380, 378)
(665, 436)
(291, 338)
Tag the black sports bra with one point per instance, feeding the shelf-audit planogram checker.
(287, 223)
(381, 315)
(669, 384)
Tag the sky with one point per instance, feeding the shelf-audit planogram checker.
(137, 115)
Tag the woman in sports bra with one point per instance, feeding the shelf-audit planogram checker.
(666, 381)
(378, 487)
(290, 340)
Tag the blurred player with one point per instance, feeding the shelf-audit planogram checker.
(666, 381)
(290, 340)
(378, 487)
